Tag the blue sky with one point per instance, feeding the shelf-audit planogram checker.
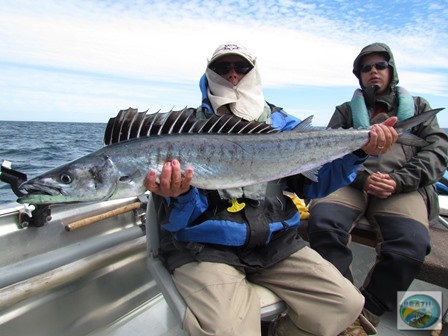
(76, 60)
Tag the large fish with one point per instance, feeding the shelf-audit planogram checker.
(224, 152)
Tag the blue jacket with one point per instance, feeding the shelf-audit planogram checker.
(202, 216)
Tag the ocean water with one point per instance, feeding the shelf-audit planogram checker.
(36, 147)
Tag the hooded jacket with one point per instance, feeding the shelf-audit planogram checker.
(411, 168)
(261, 230)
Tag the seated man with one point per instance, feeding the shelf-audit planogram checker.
(210, 270)
(394, 190)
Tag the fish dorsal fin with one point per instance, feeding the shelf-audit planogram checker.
(131, 124)
(119, 125)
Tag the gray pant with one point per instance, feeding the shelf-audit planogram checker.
(220, 301)
(401, 222)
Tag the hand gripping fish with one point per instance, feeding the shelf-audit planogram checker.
(225, 152)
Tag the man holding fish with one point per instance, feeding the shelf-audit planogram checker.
(216, 241)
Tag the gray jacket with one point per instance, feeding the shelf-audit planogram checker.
(412, 168)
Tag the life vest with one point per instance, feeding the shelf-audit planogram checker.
(242, 221)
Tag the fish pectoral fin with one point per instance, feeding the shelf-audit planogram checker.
(312, 174)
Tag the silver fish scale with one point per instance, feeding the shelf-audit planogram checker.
(225, 161)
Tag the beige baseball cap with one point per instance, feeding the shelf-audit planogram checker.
(232, 48)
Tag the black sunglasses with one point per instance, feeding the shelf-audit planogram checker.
(378, 65)
(223, 68)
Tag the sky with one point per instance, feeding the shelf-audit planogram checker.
(83, 61)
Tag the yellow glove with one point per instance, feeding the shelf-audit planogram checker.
(300, 204)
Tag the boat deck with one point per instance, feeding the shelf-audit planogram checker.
(362, 261)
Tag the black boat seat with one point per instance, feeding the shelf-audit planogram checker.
(271, 305)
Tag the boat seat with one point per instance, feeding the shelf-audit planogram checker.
(271, 305)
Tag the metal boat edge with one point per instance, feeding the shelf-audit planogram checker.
(85, 281)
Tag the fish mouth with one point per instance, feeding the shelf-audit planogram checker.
(39, 188)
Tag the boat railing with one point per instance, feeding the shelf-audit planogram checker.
(78, 281)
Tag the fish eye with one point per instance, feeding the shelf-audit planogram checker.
(65, 178)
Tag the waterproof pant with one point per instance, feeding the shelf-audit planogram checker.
(402, 227)
(221, 302)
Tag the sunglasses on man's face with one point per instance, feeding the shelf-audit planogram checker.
(378, 65)
(223, 68)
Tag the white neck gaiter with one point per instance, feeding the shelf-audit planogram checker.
(245, 100)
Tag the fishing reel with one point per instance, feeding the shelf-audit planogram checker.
(32, 215)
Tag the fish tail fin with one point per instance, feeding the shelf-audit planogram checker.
(410, 139)
(404, 125)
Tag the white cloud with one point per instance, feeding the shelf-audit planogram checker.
(80, 54)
